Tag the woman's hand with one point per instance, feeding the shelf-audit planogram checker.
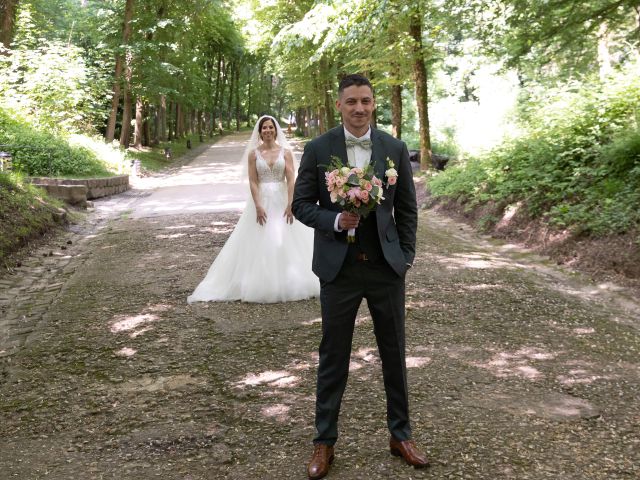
(288, 214)
(261, 215)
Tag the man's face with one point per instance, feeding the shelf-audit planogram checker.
(356, 104)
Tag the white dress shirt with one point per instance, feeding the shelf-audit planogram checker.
(357, 155)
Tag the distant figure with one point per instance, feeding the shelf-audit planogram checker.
(267, 258)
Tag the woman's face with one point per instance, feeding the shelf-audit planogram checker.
(268, 130)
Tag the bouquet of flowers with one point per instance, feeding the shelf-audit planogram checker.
(357, 190)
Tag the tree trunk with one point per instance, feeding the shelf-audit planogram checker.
(115, 99)
(249, 98)
(300, 121)
(217, 92)
(396, 111)
(146, 126)
(232, 77)
(169, 116)
(179, 128)
(270, 95)
(125, 133)
(238, 97)
(604, 57)
(422, 98)
(137, 132)
(8, 15)
(325, 84)
(162, 118)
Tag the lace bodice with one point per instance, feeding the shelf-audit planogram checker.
(268, 174)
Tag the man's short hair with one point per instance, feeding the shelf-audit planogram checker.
(353, 79)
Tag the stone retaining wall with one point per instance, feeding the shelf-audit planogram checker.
(72, 194)
(96, 187)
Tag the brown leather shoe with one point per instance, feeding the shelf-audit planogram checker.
(409, 452)
(321, 460)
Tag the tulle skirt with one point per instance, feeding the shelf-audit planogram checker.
(263, 263)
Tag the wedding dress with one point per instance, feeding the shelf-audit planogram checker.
(263, 263)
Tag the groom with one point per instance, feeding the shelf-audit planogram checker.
(373, 267)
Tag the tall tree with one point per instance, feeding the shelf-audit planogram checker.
(422, 93)
(8, 10)
(115, 99)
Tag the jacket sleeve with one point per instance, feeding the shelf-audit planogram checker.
(306, 195)
(405, 208)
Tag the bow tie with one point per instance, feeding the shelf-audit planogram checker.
(362, 142)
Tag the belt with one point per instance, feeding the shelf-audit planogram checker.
(362, 257)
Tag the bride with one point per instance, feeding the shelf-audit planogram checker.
(267, 258)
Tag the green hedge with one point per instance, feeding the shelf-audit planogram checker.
(39, 153)
(577, 164)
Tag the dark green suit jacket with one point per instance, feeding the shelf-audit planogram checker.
(397, 215)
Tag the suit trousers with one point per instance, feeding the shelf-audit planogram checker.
(340, 299)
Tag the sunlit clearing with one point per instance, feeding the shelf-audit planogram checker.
(481, 124)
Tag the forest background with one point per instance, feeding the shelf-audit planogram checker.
(530, 106)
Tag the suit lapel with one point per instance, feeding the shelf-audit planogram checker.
(377, 154)
(338, 147)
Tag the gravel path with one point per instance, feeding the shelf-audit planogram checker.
(517, 369)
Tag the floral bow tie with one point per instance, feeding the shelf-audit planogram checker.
(362, 142)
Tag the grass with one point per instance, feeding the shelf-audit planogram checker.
(154, 159)
(26, 213)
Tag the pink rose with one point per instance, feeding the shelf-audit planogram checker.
(392, 180)
(364, 196)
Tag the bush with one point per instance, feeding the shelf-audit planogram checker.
(38, 153)
(577, 164)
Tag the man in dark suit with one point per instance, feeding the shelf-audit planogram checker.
(373, 267)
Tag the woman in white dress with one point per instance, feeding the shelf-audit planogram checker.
(267, 258)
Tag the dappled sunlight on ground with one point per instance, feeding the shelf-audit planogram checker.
(279, 412)
(131, 323)
(280, 378)
(313, 321)
(416, 362)
(476, 260)
(508, 364)
(126, 352)
(148, 383)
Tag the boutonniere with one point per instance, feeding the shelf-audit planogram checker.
(391, 173)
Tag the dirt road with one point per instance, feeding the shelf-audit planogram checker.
(517, 370)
